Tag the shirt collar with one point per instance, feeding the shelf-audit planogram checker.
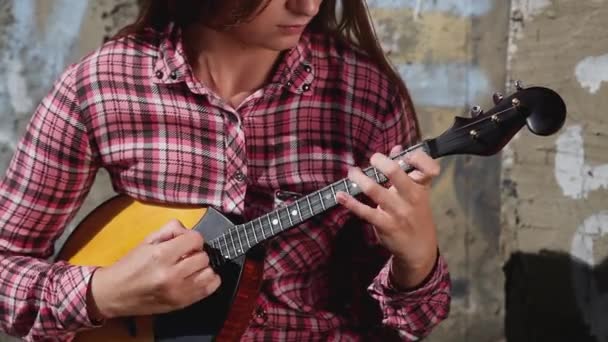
(171, 65)
(295, 71)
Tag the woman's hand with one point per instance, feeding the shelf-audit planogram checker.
(403, 220)
(168, 271)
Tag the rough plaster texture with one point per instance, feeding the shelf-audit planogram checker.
(452, 56)
(555, 190)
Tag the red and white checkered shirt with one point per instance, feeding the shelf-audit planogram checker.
(134, 108)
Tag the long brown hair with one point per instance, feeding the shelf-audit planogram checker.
(352, 25)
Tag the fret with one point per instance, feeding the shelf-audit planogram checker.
(312, 212)
(263, 232)
(232, 240)
(327, 196)
(262, 225)
(247, 237)
(240, 242)
(339, 186)
(269, 223)
(255, 236)
(375, 171)
(321, 198)
(346, 186)
(289, 216)
(226, 243)
(333, 192)
(299, 211)
(279, 220)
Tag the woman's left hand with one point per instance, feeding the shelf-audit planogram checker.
(403, 219)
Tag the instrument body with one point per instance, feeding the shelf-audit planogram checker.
(119, 225)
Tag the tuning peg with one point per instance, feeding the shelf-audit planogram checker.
(519, 85)
(497, 97)
(476, 111)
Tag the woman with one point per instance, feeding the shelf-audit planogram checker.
(239, 105)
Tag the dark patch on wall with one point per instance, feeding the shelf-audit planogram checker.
(460, 287)
(541, 302)
(476, 182)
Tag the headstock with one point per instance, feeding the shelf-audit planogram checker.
(486, 133)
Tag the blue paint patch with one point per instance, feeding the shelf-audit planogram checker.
(39, 54)
(61, 29)
(463, 8)
(444, 85)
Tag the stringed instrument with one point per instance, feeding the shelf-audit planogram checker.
(120, 224)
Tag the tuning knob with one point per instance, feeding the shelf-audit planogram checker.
(497, 97)
(475, 111)
(519, 85)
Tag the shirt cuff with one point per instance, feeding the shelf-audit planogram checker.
(72, 297)
(386, 291)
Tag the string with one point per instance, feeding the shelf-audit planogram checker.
(457, 135)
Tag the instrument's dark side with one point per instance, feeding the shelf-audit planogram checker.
(224, 315)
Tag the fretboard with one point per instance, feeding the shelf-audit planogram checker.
(239, 239)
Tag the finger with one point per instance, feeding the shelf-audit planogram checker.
(364, 211)
(192, 263)
(405, 186)
(373, 190)
(426, 167)
(207, 281)
(172, 229)
(188, 243)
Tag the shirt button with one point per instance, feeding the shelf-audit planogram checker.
(307, 68)
(306, 87)
(173, 75)
(289, 83)
(260, 314)
(239, 176)
(159, 74)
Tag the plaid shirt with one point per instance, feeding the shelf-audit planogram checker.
(134, 108)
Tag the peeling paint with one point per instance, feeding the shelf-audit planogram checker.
(575, 177)
(591, 72)
(456, 7)
(521, 11)
(529, 8)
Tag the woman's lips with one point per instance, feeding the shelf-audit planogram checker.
(292, 29)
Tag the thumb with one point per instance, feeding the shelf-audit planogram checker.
(171, 230)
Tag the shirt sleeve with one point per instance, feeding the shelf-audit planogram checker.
(415, 312)
(412, 314)
(46, 182)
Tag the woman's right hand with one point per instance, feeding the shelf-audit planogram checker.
(168, 271)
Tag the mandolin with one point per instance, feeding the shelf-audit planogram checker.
(100, 239)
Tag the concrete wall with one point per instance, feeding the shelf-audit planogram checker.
(452, 55)
(555, 190)
(538, 210)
